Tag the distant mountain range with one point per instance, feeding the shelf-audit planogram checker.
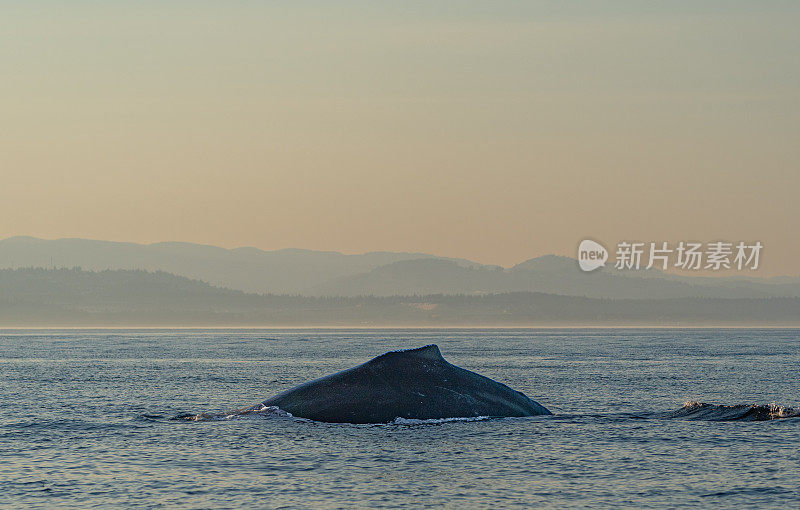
(320, 273)
(289, 271)
(72, 297)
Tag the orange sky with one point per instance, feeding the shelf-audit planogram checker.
(495, 132)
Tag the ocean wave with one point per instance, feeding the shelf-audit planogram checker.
(435, 421)
(256, 412)
(267, 412)
(743, 412)
(691, 410)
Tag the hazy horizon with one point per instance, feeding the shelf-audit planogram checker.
(671, 270)
(124, 298)
(495, 132)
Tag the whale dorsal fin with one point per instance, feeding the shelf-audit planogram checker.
(430, 352)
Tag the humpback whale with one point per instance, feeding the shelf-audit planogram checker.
(411, 384)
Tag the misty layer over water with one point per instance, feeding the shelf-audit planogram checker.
(644, 418)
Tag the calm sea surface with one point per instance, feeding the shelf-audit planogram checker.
(85, 421)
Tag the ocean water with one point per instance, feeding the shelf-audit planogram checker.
(85, 421)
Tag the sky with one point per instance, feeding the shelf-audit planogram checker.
(495, 131)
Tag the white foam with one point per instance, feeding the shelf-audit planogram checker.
(779, 411)
(432, 421)
(262, 412)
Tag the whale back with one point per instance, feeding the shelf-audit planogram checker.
(412, 384)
